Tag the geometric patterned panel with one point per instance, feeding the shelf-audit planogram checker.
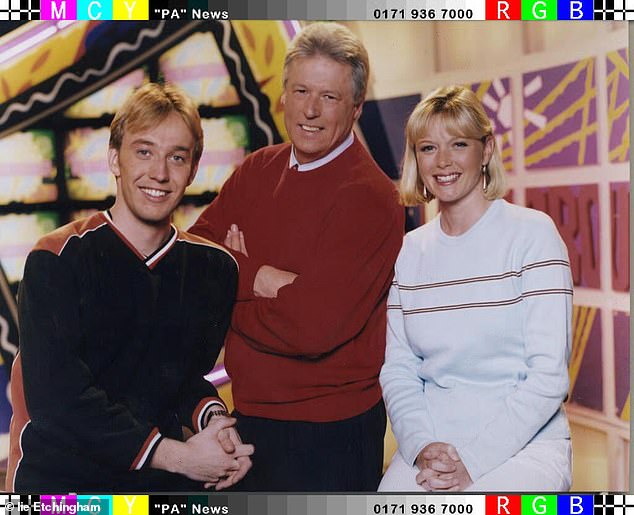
(264, 44)
(59, 49)
(108, 99)
(8, 321)
(496, 98)
(618, 106)
(224, 149)
(620, 235)
(5, 415)
(197, 66)
(560, 116)
(8, 349)
(27, 170)
(622, 363)
(575, 211)
(87, 171)
(586, 375)
(25, 231)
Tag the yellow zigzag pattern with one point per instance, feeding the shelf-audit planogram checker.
(583, 104)
(620, 73)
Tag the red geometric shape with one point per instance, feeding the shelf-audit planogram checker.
(575, 211)
(503, 505)
(620, 232)
(503, 10)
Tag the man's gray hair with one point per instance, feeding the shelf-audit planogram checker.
(337, 43)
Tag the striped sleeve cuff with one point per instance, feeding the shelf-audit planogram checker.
(201, 413)
(147, 450)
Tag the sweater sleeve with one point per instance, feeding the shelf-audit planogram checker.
(331, 300)
(62, 399)
(216, 219)
(199, 396)
(403, 388)
(546, 290)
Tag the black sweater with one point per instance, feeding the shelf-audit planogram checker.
(113, 349)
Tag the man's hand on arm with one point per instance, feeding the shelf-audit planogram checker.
(268, 279)
(202, 457)
(235, 240)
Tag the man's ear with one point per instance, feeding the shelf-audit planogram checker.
(113, 161)
(357, 111)
(192, 174)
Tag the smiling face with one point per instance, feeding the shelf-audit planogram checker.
(319, 109)
(450, 165)
(152, 167)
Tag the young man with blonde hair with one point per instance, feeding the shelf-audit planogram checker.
(121, 315)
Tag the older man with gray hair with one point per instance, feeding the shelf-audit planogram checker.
(316, 227)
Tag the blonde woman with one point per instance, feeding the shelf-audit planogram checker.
(479, 320)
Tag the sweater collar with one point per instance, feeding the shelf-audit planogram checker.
(151, 260)
(323, 160)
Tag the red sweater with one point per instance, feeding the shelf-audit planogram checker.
(314, 352)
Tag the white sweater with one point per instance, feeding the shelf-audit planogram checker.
(478, 339)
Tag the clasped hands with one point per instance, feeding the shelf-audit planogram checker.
(441, 468)
(216, 455)
(268, 279)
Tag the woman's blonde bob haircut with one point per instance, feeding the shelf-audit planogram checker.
(463, 115)
(149, 106)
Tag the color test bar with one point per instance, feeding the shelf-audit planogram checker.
(430, 10)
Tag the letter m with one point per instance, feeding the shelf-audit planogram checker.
(58, 14)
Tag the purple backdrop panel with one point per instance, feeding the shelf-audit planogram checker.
(618, 106)
(496, 98)
(586, 376)
(560, 118)
(620, 234)
(575, 211)
(622, 359)
(383, 125)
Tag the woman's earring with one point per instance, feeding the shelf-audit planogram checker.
(485, 174)
(427, 197)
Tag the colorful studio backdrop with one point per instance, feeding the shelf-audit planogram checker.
(558, 93)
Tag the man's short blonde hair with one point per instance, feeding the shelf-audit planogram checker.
(149, 106)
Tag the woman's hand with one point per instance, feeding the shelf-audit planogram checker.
(441, 468)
